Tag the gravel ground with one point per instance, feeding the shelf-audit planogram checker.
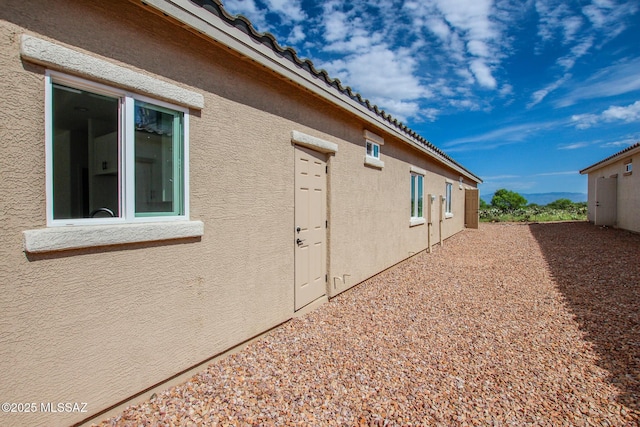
(506, 325)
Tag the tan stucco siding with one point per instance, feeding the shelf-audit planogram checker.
(370, 211)
(628, 191)
(99, 325)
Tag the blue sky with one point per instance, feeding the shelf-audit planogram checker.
(522, 93)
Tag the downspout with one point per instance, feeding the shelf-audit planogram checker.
(442, 200)
(430, 199)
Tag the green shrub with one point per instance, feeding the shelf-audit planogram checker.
(534, 213)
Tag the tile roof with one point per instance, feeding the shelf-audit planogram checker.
(243, 24)
(612, 157)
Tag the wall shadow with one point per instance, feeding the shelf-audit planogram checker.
(597, 270)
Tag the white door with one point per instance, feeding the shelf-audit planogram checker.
(606, 201)
(310, 234)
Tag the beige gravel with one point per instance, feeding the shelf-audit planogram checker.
(508, 325)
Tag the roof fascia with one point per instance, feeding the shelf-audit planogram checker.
(209, 25)
(613, 159)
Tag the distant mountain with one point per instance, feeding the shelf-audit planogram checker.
(544, 198)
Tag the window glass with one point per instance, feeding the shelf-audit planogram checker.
(413, 194)
(420, 215)
(86, 166)
(417, 184)
(113, 156)
(158, 157)
(448, 197)
(373, 149)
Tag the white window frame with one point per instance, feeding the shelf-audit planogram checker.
(126, 160)
(372, 148)
(374, 151)
(419, 174)
(448, 194)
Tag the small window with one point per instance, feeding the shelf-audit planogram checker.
(628, 168)
(373, 149)
(447, 203)
(417, 202)
(114, 156)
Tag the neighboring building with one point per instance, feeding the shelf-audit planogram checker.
(175, 183)
(614, 190)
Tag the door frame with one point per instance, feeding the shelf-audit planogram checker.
(301, 299)
(606, 201)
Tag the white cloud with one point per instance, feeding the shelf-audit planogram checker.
(289, 13)
(249, 9)
(290, 9)
(501, 136)
(584, 121)
(478, 48)
(578, 51)
(573, 146)
(628, 114)
(469, 34)
(556, 18)
(625, 142)
(393, 86)
(297, 34)
(506, 90)
(499, 177)
(451, 52)
(610, 81)
(438, 27)
(557, 173)
(608, 16)
(400, 110)
(482, 73)
(539, 95)
(583, 29)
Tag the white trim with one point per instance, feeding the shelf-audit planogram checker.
(418, 170)
(374, 145)
(313, 142)
(65, 238)
(417, 221)
(128, 172)
(448, 196)
(56, 56)
(127, 179)
(372, 161)
(48, 147)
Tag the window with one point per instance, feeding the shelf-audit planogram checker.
(113, 156)
(373, 149)
(628, 168)
(447, 203)
(417, 202)
(372, 145)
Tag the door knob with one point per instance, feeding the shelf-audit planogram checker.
(299, 241)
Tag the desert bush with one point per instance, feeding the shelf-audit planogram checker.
(535, 213)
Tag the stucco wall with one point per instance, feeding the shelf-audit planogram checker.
(628, 192)
(99, 325)
(370, 212)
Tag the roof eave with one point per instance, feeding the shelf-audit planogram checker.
(211, 26)
(627, 152)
